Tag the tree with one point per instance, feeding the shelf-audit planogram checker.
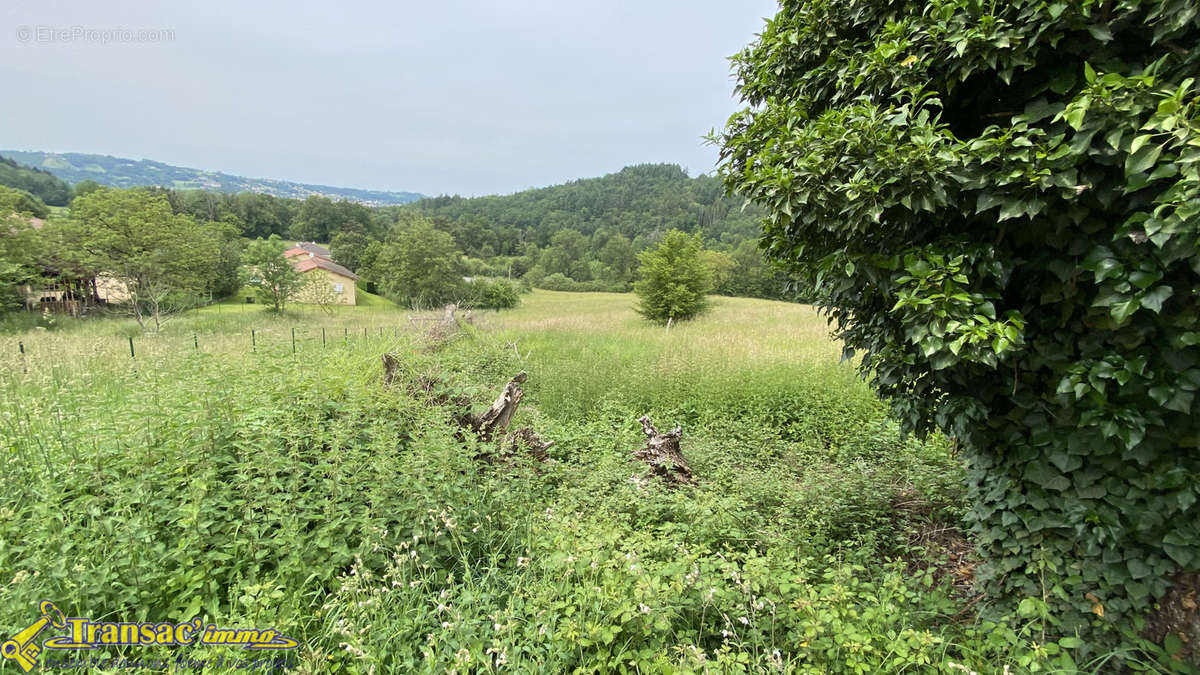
(85, 187)
(721, 266)
(997, 206)
(674, 279)
(419, 266)
(272, 276)
(133, 236)
(18, 245)
(314, 219)
(348, 249)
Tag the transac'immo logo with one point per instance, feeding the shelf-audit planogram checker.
(83, 633)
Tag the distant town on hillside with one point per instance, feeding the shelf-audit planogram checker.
(124, 172)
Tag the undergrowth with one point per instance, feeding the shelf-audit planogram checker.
(271, 489)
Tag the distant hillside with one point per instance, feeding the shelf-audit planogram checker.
(122, 172)
(41, 184)
(637, 200)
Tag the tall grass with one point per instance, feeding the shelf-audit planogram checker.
(265, 487)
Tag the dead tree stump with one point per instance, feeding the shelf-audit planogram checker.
(663, 456)
(525, 441)
(496, 418)
(447, 327)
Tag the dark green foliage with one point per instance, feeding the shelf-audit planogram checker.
(638, 200)
(998, 203)
(318, 218)
(584, 235)
(43, 185)
(165, 260)
(675, 279)
(348, 248)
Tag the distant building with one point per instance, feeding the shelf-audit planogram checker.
(334, 283)
(307, 250)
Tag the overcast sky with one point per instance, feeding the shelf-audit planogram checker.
(448, 96)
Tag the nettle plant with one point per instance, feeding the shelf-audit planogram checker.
(998, 203)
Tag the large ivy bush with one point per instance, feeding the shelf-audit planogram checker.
(998, 205)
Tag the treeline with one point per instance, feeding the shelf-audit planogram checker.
(585, 235)
(580, 236)
(48, 188)
(164, 260)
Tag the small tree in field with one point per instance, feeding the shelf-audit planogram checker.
(272, 276)
(675, 279)
(998, 204)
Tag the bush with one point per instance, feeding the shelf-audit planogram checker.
(996, 203)
(493, 294)
(561, 282)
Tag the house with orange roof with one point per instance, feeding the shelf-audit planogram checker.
(328, 282)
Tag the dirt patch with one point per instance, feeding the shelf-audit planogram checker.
(934, 543)
(1177, 618)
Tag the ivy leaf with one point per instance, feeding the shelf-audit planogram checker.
(1122, 310)
(1137, 568)
(1154, 299)
(1142, 160)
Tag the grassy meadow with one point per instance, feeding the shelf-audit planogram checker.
(254, 483)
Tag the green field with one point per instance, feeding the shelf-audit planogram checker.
(261, 482)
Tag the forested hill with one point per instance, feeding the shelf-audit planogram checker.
(41, 184)
(122, 172)
(640, 200)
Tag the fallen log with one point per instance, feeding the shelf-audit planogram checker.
(663, 456)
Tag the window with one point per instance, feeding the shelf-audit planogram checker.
(338, 288)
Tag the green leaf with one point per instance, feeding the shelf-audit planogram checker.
(1139, 142)
(1070, 642)
(1172, 644)
(1154, 299)
(1137, 568)
(1102, 33)
(1122, 310)
(1142, 160)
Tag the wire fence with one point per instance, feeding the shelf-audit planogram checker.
(74, 351)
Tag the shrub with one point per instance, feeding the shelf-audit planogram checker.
(493, 294)
(997, 205)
